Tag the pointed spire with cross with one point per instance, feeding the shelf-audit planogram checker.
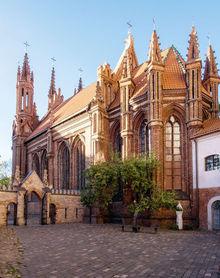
(129, 26)
(26, 46)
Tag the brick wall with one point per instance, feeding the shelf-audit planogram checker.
(204, 196)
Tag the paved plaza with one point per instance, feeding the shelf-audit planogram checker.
(83, 250)
(78, 250)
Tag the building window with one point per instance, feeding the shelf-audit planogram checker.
(79, 164)
(212, 162)
(64, 166)
(143, 138)
(44, 164)
(36, 164)
(172, 154)
(118, 142)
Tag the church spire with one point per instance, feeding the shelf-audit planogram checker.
(25, 74)
(52, 82)
(18, 73)
(210, 64)
(80, 85)
(193, 49)
(54, 98)
(129, 52)
(154, 49)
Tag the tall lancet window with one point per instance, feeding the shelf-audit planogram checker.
(172, 154)
(36, 164)
(144, 138)
(118, 142)
(44, 164)
(64, 167)
(79, 163)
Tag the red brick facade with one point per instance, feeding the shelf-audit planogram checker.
(150, 107)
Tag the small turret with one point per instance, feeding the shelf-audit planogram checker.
(54, 98)
(212, 79)
(154, 53)
(193, 74)
(193, 49)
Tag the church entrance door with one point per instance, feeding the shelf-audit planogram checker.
(53, 214)
(33, 209)
(216, 215)
(11, 214)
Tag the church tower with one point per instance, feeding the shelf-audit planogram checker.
(126, 91)
(193, 73)
(154, 73)
(26, 117)
(211, 80)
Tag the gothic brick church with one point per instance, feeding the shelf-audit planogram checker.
(153, 106)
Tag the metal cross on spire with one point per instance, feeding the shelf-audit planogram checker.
(80, 70)
(53, 61)
(26, 46)
(129, 26)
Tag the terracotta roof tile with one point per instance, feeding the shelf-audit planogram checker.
(173, 76)
(140, 80)
(68, 108)
(75, 104)
(209, 126)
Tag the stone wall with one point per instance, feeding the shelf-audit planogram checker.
(68, 208)
(6, 197)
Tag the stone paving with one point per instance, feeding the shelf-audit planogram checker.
(83, 250)
(10, 254)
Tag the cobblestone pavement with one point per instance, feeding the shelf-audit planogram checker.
(10, 254)
(83, 250)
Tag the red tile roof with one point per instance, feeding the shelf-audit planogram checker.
(173, 76)
(209, 126)
(67, 109)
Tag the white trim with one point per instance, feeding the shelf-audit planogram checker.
(209, 211)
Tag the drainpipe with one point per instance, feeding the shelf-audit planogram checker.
(197, 181)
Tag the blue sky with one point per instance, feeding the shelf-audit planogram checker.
(86, 34)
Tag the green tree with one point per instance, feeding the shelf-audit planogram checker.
(101, 185)
(136, 175)
(4, 172)
(138, 178)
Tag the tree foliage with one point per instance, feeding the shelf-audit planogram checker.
(4, 172)
(136, 175)
(101, 184)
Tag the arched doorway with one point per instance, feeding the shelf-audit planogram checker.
(52, 214)
(216, 215)
(33, 208)
(11, 214)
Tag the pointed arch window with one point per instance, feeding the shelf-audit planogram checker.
(79, 164)
(44, 163)
(118, 142)
(36, 164)
(144, 138)
(172, 154)
(64, 166)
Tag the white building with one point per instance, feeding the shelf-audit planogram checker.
(206, 174)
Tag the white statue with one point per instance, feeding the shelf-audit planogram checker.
(179, 216)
